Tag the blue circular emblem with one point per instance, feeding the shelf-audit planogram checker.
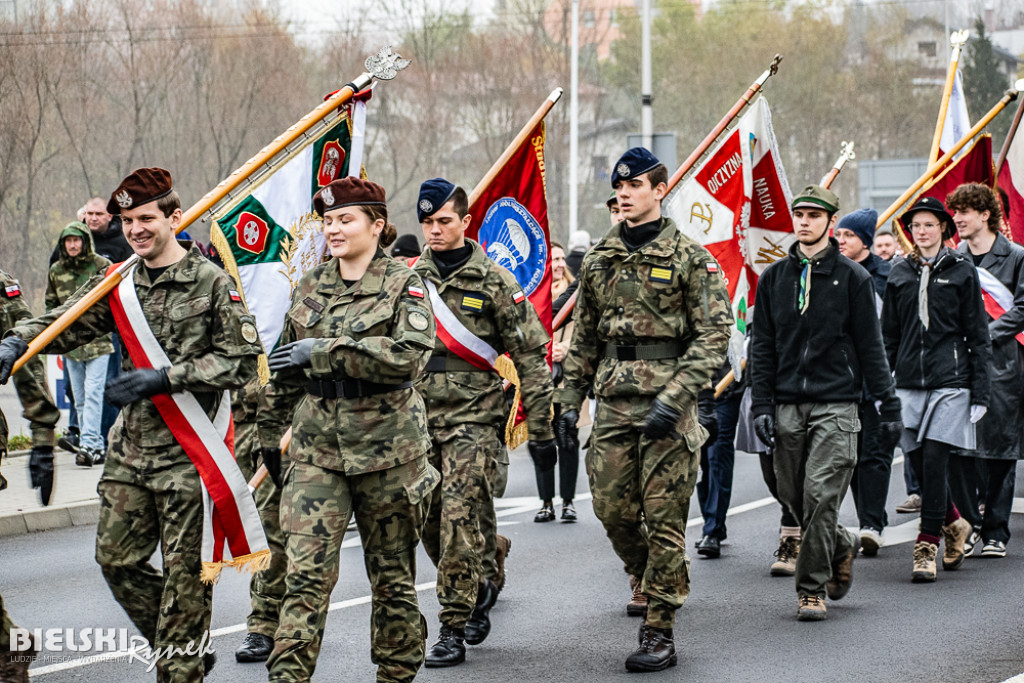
(514, 240)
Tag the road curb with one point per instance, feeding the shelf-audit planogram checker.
(60, 517)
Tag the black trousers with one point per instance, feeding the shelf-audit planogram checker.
(568, 467)
(870, 484)
(983, 480)
(931, 463)
(768, 472)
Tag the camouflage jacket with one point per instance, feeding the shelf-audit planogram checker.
(69, 273)
(670, 289)
(480, 294)
(380, 329)
(203, 327)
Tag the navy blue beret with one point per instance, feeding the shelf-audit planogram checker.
(434, 193)
(634, 162)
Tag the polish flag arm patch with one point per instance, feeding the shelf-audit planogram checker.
(519, 297)
(235, 296)
(12, 290)
(712, 266)
(416, 292)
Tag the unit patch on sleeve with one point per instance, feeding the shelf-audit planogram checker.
(12, 290)
(235, 296)
(416, 292)
(712, 266)
(519, 297)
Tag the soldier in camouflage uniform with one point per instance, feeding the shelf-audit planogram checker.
(30, 383)
(468, 412)
(87, 365)
(358, 332)
(150, 492)
(651, 326)
(266, 589)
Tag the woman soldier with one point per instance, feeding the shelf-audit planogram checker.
(936, 338)
(356, 336)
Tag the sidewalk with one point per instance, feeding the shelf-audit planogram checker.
(74, 501)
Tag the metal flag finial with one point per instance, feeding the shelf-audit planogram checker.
(958, 39)
(386, 64)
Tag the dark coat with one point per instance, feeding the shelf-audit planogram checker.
(879, 270)
(824, 355)
(1001, 431)
(954, 351)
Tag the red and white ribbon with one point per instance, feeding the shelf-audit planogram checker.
(998, 298)
(456, 337)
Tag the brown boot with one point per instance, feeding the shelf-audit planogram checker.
(785, 563)
(504, 546)
(924, 562)
(842, 574)
(811, 608)
(954, 536)
(637, 607)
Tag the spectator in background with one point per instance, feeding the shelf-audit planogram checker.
(406, 246)
(579, 244)
(86, 365)
(885, 243)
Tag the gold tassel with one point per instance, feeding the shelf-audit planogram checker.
(515, 435)
(252, 563)
(211, 572)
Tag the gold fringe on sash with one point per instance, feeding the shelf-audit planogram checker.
(252, 563)
(515, 435)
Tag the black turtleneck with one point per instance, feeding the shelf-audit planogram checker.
(639, 235)
(154, 273)
(448, 262)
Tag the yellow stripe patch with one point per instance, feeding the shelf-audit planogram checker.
(472, 303)
(661, 274)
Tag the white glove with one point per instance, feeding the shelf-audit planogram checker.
(977, 412)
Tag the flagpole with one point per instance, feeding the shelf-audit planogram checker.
(519, 139)
(1009, 137)
(956, 41)
(845, 155)
(384, 65)
(1008, 97)
(742, 102)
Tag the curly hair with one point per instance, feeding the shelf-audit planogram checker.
(978, 197)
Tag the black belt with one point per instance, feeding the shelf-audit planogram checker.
(351, 388)
(450, 364)
(672, 349)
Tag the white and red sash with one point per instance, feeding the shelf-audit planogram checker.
(998, 298)
(456, 337)
(232, 532)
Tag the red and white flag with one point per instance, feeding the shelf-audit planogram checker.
(1011, 181)
(736, 204)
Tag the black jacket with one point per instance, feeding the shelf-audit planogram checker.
(879, 270)
(954, 351)
(825, 354)
(111, 244)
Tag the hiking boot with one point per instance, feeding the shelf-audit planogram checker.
(911, 505)
(637, 607)
(994, 549)
(545, 514)
(870, 541)
(924, 562)
(953, 538)
(449, 650)
(479, 625)
(255, 648)
(504, 547)
(785, 564)
(842, 574)
(811, 608)
(974, 540)
(657, 650)
(568, 512)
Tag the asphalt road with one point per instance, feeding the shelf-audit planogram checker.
(562, 616)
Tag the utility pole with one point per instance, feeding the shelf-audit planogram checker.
(574, 121)
(646, 98)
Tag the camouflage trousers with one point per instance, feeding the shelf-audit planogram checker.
(6, 624)
(489, 521)
(140, 509)
(389, 507)
(37, 404)
(467, 458)
(266, 589)
(639, 483)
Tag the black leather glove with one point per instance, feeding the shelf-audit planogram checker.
(11, 349)
(544, 453)
(660, 421)
(890, 423)
(294, 356)
(567, 421)
(272, 459)
(135, 385)
(706, 415)
(40, 471)
(764, 427)
(567, 437)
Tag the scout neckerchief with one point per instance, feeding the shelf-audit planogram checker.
(232, 532)
(998, 298)
(804, 298)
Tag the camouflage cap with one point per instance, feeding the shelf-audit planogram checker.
(816, 197)
(141, 186)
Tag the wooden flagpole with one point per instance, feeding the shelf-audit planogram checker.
(1009, 137)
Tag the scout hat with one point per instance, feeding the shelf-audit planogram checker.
(434, 194)
(816, 197)
(862, 223)
(635, 162)
(347, 191)
(143, 185)
(613, 198)
(936, 207)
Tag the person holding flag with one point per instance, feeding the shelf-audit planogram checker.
(1000, 263)
(190, 339)
(357, 335)
(651, 326)
(481, 312)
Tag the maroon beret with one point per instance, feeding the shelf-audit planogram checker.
(141, 186)
(347, 191)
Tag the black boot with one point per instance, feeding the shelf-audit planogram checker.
(479, 625)
(657, 650)
(449, 649)
(209, 661)
(255, 648)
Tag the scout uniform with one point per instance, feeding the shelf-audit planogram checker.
(359, 446)
(150, 491)
(651, 326)
(468, 412)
